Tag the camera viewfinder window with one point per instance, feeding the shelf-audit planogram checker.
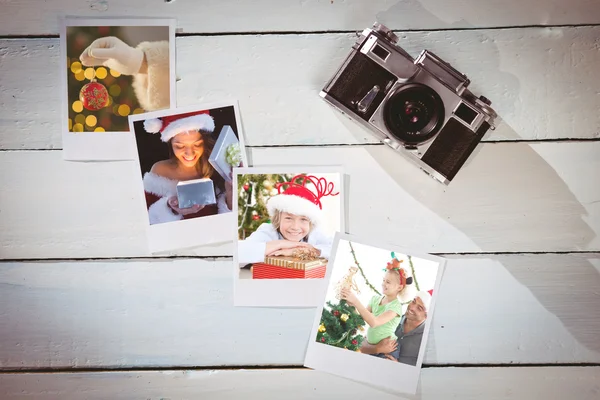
(465, 113)
(380, 52)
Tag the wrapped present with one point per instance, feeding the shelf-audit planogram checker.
(289, 268)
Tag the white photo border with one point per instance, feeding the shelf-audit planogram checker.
(280, 292)
(105, 146)
(378, 372)
(184, 234)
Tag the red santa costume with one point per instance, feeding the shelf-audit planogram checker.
(158, 189)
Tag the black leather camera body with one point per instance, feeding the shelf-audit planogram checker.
(420, 105)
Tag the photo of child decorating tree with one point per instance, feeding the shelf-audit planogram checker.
(378, 302)
(286, 224)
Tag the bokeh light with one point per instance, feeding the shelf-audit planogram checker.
(124, 110)
(80, 75)
(99, 129)
(138, 111)
(91, 120)
(101, 73)
(114, 90)
(77, 106)
(114, 73)
(89, 73)
(70, 124)
(76, 67)
(80, 119)
(78, 128)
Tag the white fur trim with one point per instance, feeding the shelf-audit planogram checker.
(160, 212)
(295, 205)
(425, 298)
(152, 89)
(202, 122)
(153, 125)
(159, 185)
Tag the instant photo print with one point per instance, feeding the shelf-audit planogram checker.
(173, 148)
(196, 192)
(373, 319)
(106, 68)
(286, 221)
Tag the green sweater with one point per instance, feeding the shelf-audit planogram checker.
(375, 335)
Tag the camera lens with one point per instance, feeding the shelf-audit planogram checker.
(414, 113)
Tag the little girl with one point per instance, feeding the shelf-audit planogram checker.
(383, 313)
(296, 216)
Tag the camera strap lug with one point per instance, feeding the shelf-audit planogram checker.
(365, 102)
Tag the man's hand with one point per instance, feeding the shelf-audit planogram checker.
(387, 345)
(113, 53)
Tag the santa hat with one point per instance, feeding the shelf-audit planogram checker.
(425, 297)
(299, 200)
(171, 125)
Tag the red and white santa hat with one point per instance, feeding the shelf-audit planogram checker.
(425, 297)
(299, 200)
(171, 125)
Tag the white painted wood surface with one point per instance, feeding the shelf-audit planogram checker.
(512, 197)
(542, 82)
(524, 383)
(505, 309)
(509, 197)
(27, 17)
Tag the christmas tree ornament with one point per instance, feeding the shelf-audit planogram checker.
(347, 282)
(254, 212)
(268, 184)
(246, 187)
(344, 317)
(354, 342)
(255, 217)
(273, 192)
(336, 313)
(93, 96)
(323, 339)
(322, 328)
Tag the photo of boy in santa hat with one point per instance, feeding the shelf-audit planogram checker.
(297, 215)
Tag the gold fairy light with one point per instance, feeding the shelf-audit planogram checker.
(91, 120)
(70, 124)
(76, 67)
(77, 106)
(80, 76)
(114, 73)
(138, 111)
(124, 110)
(78, 128)
(101, 73)
(99, 129)
(89, 73)
(114, 90)
(80, 119)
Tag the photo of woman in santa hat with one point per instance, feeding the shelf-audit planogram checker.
(296, 222)
(187, 140)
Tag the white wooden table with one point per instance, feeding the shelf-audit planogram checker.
(87, 313)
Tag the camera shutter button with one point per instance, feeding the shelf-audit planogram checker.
(485, 100)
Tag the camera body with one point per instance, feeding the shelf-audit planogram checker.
(421, 106)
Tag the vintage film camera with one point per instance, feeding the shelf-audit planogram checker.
(422, 105)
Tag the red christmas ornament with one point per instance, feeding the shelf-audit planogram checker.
(323, 339)
(246, 187)
(256, 217)
(336, 313)
(354, 342)
(93, 96)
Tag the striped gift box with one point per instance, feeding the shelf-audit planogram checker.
(289, 268)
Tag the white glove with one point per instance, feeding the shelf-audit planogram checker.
(113, 53)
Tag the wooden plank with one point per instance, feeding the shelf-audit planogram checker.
(508, 309)
(580, 383)
(278, 80)
(30, 17)
(510, 197)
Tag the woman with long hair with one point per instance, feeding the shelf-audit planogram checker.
(190, 141)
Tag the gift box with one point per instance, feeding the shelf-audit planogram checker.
(289, 268)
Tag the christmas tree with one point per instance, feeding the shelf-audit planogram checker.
(341, 326)
(253, 192)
